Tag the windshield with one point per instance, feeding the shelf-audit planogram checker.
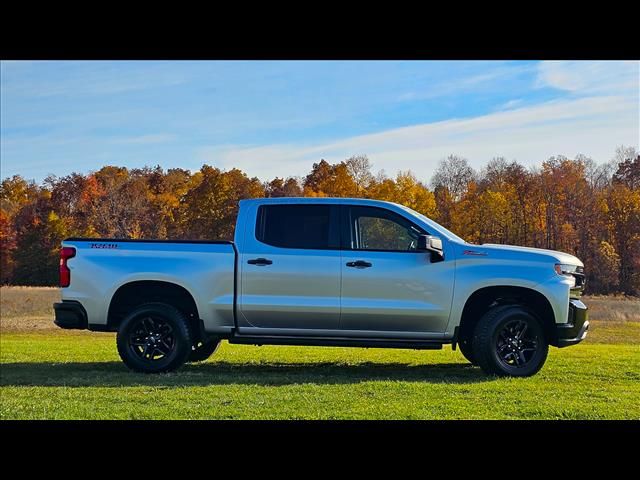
(427, 220)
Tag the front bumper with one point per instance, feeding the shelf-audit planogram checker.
(70, 315)
(577, 326)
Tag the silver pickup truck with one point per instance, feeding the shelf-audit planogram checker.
(324, 271)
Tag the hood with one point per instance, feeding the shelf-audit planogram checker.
(491, 249)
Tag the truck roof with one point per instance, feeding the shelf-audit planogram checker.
(430, 224)
(332, 200)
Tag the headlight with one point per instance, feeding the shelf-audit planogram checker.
(567, 271)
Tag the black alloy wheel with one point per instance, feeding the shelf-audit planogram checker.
(154, 338)
(510, 341)
(516, 343)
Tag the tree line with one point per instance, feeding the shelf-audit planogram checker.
(574, 205)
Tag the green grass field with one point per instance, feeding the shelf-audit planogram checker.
(47, 373)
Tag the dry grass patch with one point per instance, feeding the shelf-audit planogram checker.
(27, 308)
(28, 301)
(613, 308)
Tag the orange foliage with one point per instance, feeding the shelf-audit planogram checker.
(569, 205)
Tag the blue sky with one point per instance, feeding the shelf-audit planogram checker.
(277, 118)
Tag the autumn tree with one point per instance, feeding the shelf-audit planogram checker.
(514, 184)
(604, 268)
(39, 231)
(209, 210)
(450, 183)
(75, 198)
(326, 180)
(623, 212)
(15, 194)
(319, 176)
(119, 207)
(405, 189)
(359, 168)
(575, 205)
(7, 248)
(444, 206)
(628, 173)
(166, 192)
(454, 173)
(564, 190)
(279, 187)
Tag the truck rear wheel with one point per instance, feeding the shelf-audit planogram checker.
(466, 348)
(204, 350)
(509, 341)
(154, 338)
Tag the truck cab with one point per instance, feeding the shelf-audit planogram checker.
(353, 268)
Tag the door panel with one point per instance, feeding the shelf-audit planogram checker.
(387, 285)
(300, 287)
(400, 292)
(299, 290)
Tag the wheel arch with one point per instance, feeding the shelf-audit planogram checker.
(137, 292)
(483, 299)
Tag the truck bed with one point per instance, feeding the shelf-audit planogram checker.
(205, 268)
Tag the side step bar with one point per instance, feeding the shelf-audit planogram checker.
(336, 342)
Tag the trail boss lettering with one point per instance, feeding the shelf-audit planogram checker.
(104, 245)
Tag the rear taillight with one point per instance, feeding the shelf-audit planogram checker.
(65, 274)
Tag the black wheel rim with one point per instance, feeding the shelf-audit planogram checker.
(517, 343)
(152, 339)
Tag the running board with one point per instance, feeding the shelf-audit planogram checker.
(336, 342)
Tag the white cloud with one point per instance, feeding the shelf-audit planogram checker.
(582, 77)
(601, 112)
(510, 104)
(593, 126)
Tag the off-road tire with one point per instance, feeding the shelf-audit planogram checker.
(169, 330)
(490, 343)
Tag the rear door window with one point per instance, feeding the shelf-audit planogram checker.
(312, 227)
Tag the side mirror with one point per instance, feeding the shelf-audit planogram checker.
(433, 244)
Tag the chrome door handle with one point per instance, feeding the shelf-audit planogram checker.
(359, 264)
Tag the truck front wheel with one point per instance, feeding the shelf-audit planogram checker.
(154, 338)
(509, 341)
